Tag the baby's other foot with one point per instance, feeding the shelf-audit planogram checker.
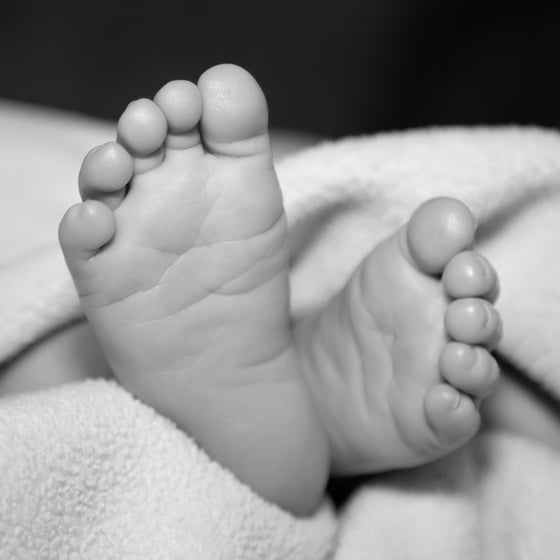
(179, 254)
(399, 359)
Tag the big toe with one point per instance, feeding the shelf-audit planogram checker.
(234, 112)
(437, 231)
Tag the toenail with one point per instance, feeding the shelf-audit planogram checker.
(473, 312)
(482, 312)
(482, 265)
(452, 398)
(479, 312)
(471, 356)
(477, 269)
(498, 334)
(456, 401)
(472, 321)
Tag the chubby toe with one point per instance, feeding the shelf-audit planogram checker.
(469, 274)
(234, 112)
(438, 230)
(452, 415)
(142, 129)
(473, 321)
(181, 103)
(104, 174)
(471, 369)
(84, 229)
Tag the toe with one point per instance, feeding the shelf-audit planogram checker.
(469, 274)
(84, 229)
(234, 112)
(181, 103)
(452, 415)
(105, 172)
(437, 231)
(471, 369)
(473, 321)
(142, 129)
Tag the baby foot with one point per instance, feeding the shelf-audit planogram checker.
(398, 360)
(179, 254)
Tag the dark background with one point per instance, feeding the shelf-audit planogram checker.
(329, 68)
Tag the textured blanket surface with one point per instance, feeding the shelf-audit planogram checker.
(86, 471)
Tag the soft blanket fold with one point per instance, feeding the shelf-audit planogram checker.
(86, 471)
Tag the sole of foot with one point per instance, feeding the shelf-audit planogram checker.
(179, 254)
(399, 360)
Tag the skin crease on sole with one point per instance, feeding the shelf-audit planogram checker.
(420, 351)
(179, 254)
(212, 260)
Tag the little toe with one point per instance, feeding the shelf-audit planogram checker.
(234, 112)
(105, 172)
(438, 230)
(142, 129)
(84, 229)
(181, 103)
(452, 415)
(469, 274)
(473, 321)
(471, 369)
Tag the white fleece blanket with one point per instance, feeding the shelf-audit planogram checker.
(86, 471)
